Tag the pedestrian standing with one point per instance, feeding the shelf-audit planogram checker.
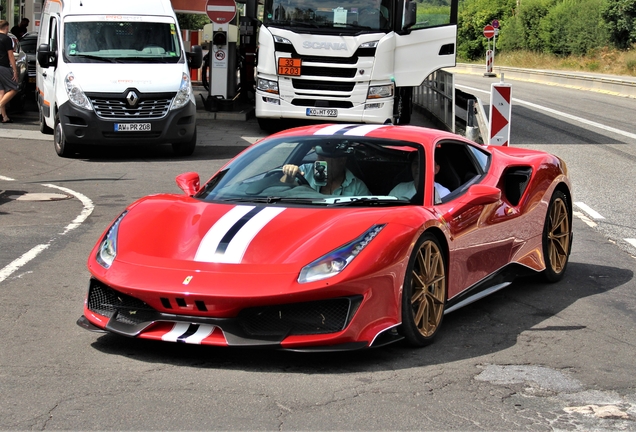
(20, 29)
(8, 71)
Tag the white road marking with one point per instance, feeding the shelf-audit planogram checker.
(631, 241)
(588, 210)
(88, 207)
(562, 114)
(585, 219)
(16, 264)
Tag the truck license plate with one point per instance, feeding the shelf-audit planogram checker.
(132, 127)
(322, 112)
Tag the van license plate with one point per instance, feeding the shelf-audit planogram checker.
(322, 112)
(132, 127)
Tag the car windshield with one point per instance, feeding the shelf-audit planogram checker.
(319, 171)
(357, 15)
(134, 41)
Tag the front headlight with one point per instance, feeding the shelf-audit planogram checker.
(267, 86)
(107, 250)
(383, 91)
(336, 261)
(75, 93)
(183, 95)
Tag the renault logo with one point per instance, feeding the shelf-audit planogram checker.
(132, 98)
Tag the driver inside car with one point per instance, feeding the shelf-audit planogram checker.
(329, 174)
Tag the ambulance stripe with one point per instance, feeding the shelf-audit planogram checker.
(228, 239)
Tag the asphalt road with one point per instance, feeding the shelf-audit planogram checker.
(530, 357)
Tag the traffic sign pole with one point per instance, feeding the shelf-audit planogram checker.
(490, 32)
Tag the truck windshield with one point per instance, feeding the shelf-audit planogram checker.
(124, 42)
(329, 14)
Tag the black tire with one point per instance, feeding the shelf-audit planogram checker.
(185, 148)
(62, 148)
(424, 292)
(43, 127)
(404, 105)
(270, 125)
(557, 237)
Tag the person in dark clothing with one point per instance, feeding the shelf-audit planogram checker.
(8, 71)
(20, 29)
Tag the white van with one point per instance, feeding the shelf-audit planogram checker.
(127, 84)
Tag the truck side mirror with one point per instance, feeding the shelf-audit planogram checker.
(195, 58)
(45, 56)
(410, 15)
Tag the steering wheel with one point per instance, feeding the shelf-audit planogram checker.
(300, 179)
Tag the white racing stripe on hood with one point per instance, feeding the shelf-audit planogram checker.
(237, 247)
(211, 240)
(330, 130)
(228, 239)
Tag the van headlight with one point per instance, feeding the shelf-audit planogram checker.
(184, 93)
(75, 93)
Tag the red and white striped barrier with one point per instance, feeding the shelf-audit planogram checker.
(489, 61)
(500, 110)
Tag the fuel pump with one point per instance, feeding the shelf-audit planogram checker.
(222, 56)
(247, 49)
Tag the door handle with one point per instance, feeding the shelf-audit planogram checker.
(44, 74)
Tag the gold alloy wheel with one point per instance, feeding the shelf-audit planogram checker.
(558, 235)
(428, 288)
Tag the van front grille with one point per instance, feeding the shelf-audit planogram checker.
(120, 109)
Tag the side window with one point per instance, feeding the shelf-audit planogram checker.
(460, 165)
(53, 34)
(433, 13)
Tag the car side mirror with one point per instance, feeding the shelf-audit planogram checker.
(189, 183)
(410, 15)
(476, 195)
(195, 58)
(46, 58)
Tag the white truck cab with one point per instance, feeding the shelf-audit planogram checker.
(115, 73)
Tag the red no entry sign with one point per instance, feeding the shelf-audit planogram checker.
(489, 31)
(221, 11)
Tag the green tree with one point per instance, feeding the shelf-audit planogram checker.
(192, 21)
(473, 16)
(620, 16)
(573, 27)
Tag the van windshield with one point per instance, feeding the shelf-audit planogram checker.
(123, 42)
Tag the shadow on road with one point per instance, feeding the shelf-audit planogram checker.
(485, 327)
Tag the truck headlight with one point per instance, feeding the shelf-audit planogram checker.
(336, 261)
(379, 92)
(267, 86)
(75, 93)
(184, 93)
(107, 250)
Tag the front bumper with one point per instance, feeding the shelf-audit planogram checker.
(84, 127)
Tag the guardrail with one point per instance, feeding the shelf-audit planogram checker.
(436, 96)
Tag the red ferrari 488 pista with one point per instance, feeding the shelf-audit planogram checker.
(331, 237)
